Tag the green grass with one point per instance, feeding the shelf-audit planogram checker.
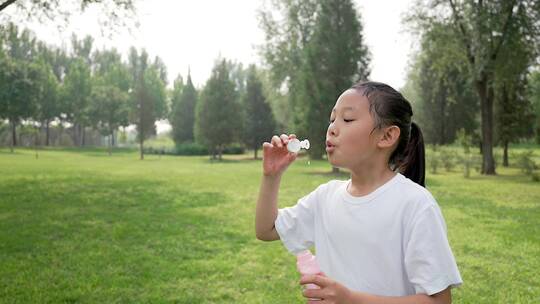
(82, 227)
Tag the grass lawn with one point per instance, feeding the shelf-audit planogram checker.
(82, 227)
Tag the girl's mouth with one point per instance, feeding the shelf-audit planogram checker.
(329, 146)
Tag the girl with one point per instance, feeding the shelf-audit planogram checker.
(380, 236)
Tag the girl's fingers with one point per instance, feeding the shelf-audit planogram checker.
(276, 141)
(284, 138)
(291, 136)
(266, 145)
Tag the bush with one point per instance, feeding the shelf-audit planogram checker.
(234, 149)
(433, 160)
(447, 158)
(190, 149)
(526, 163)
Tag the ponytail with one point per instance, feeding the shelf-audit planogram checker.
(413, 164)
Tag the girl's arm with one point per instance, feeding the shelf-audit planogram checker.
(267, 209)
(276, 159)
(333, 292)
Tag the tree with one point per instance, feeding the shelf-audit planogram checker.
(217, 114)
(17, 100)
(485, 30)
(110, 94)
(47, 99)
(259, 120)
(514, 111)
(76, 93)
(110, 108)
(319, 55)
(184, 102)
(444, 101)
(148, 96)
(288, 27)
(116, 11)
(533, 92)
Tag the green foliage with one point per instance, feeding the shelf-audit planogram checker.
(533, 93)
(112, 12)
(182, 117)
(443, 99)
(315, 53)
(259, 122)
(148, 94)
(447, 157)
(433, 160)
(218, 114)
(526, 163)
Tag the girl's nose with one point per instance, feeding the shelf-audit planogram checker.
(332, 130)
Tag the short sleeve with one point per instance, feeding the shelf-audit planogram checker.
(429, 261)
(295, 225)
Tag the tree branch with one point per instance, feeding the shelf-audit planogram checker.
(6, 4)
(466, 39)
(505, 31)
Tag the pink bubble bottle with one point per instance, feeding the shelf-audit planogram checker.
(307, 265)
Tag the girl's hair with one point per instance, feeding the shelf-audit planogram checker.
(388, 107)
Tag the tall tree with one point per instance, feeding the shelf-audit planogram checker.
(288, 27)
(110, 94)
(533, 92)
(259, 121)
(445, 101)
(47, 98)
(148, 96)
(484, 28)
(16, 99)
(75, 93)
(514, 111)
(218, 116)
(184, 102)
(322, 55)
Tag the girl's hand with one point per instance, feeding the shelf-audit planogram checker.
(276, 157)
(331, 292)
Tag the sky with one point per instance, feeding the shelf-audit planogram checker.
(192, 34)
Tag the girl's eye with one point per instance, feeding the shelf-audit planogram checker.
(348, 120)
(331, 121)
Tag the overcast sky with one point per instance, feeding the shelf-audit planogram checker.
(194, 33)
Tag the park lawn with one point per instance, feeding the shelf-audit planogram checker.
(79, 226)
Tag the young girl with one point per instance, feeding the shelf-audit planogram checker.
(380, 236)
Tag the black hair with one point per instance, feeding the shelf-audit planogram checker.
(389, 108)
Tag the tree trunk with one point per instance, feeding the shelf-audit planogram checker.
(110, 144)
(13, 134)
(36, 134)
(83, 137)
(113, 139)
(505, 154)
(47, 132)
(485, 92)
(141, 145)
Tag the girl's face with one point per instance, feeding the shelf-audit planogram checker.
(350, 141)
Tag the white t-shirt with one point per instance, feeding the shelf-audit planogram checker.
(391, 242)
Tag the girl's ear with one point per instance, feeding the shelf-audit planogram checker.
(390, 136)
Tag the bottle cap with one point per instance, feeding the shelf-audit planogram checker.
(295, 145)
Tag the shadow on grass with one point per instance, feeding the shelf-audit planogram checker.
(127, 234)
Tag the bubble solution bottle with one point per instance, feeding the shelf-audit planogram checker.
(307, 265)
(295, 145)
